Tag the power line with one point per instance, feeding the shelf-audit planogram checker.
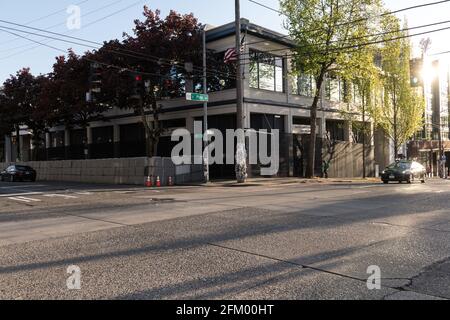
(374, 35)
(359, 45)
(172, 63)
(266, 6)
(46, 31)
(94, 45)
(43, 18)
(439, 53)
(85, 58)
(63, 23)
(366, 18)
(132, 54)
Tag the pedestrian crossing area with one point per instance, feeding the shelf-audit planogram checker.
(24, 199)
(36, 197)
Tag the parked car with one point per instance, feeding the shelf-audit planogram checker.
(18, 173)
(408, 171)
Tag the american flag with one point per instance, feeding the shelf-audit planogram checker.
(231, 54)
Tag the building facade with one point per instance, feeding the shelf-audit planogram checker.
(434, 141)
(273, 99)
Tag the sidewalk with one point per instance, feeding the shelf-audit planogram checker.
(254, 182)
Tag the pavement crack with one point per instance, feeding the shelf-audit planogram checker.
(298, 265)
(404, 288)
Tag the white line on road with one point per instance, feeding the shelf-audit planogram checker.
(60, 196)
(20, 194)
(84, 193)
(24, 199)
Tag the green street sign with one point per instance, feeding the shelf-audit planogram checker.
(197, 97)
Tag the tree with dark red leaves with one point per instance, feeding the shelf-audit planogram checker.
(20, 103)
(69, 83)
(166, 53)
(157, 52)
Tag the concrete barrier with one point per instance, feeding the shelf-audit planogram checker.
(128, 171)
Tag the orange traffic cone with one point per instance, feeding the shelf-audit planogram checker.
(171, 184)
(149, 182)
(158, 182)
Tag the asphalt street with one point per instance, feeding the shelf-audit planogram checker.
(286, 241)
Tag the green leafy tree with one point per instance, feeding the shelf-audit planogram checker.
(327, 34)
(401, 114)
(363, 83)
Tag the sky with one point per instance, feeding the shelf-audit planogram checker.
(108, 19)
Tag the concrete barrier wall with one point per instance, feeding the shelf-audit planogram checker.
(131, 171)
(347, 160)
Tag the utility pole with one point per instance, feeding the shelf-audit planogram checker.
(441, 153)
(364, 134)
(395, 118)
(205, 110)
(18, 146)
(239, 89)
(241, 153)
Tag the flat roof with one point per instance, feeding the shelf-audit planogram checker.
(229, 29)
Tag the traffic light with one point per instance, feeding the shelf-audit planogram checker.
(138, 85)
(416, 67)
(95, 78)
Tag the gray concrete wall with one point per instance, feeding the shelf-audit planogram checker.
(132, 171)
(347, 161)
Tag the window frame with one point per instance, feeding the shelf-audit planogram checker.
(257, 53)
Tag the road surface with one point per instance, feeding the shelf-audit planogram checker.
(281, 241)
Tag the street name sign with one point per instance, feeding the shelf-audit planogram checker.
(197, 97)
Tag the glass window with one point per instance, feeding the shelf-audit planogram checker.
(333, 89)
(306, 85)
(335, 130)
(254, 74)
(266, 72)
(401, 166)
(266, 76)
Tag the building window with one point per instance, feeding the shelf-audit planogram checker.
(57, 139)
(266, 71)
(303, 85)
(334, 89)
(361, 132)
(173, 123)
(223, 78)
(335, 130)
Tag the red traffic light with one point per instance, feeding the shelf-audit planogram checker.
(138, 78)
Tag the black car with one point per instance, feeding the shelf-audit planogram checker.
(408, 171)
(18, 173)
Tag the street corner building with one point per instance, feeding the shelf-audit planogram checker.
(431, 146)
(273, 99)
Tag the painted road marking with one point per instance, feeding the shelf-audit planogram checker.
(84, 193)
(24, 186)
(24, 199)
(60, 196)
(20, 194)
